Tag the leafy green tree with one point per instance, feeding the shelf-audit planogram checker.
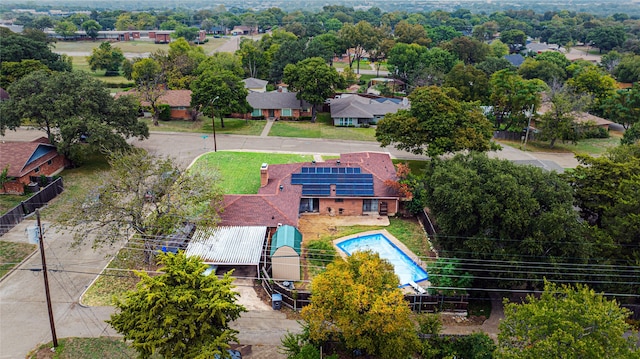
(472, 83)
(223, 91)
(325, 45)
(75, 110)
(169, 25)
(592, 80)
(180, 64)
(498, 48)
(607, 37)
(91, 27)
(254, 60)
(447, 278)
(148, 195)
(360, 37)
(623, 106)
(358, 303)
(15, 48)
(187, 33)
(493, 64)
(610, 61)
(558, 123)
(221, 61)
(554, 57)
(605, 191)
(41, 23)
(511, 96)
(411, 34)
(314, 80)
(289, 52)
(442, 33)
(631, 135)
(105, 57)
(435, 125)
(514, 38)
(565, 322)
(491, 209)
(150, 84)
(179, 313)
(468, 49)
(546, 71)
(628, 70)
(10, 72)
(66, 29)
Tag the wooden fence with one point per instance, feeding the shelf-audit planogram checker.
(19, 212)
(293, 299)
(513, 136)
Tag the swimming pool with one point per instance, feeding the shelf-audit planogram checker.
(406, 269)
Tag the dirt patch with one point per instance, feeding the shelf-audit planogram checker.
(456, 320)
(315, 227)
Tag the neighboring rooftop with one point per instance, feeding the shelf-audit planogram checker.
(173, 98)
(355, 106)
(275, 99)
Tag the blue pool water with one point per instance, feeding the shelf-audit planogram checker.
(406, 269)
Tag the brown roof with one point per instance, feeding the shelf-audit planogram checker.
(273, 205)
(580, 117)
(173, 98)
(16, 155)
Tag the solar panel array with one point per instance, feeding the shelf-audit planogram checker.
(349, 181)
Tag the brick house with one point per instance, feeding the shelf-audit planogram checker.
(356, 111)
(179, 102)
(27, 161)
(353, 185)
(277, 105)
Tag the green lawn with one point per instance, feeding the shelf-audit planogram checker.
(416, 166)
(240, 171)
(232, 126)
(323, 128)
(95, 348)
(591, 146)
(12, 253)
(8, 201)
(137, 47)
(80, 63)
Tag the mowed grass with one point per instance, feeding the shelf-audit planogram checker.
(240, 171)
(591, 146)
(12, 253)
(134, 47)
(323, 128)
(232, 126)
(86, 348)
(8, 201)
(80, 63)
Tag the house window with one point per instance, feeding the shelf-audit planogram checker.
(256, 112)
(49, 162)
(286, 112)
(338, 200)
(345, 122)
(36, 170)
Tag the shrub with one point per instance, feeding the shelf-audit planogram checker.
(595, 132)
(257, 117)
(164, 112)
(321, 252)
(304, 118)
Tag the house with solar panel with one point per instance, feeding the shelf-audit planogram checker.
(353, 185)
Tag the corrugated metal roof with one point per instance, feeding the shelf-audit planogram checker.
(236, 245)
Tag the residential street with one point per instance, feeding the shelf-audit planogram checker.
(23, 314)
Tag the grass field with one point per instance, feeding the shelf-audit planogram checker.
(134, 47)
(323, 128)
(591, 146)
(232, 126)
(80, 63)
(73, 348)
(240, 171)
(12, 253)
(8, 201)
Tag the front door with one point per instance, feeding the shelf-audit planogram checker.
(271, 113)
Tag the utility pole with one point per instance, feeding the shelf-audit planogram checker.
(213, 123)
(529, 114)
(46, 281)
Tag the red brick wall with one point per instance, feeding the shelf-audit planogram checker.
(351, 207)
(180, 114)
(57, 164)
(14, 187)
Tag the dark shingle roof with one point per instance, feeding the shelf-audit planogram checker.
(275, 100)
(361, 107)
(19, 156)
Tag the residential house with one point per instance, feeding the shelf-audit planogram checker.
(354, 185)
(162, 37)
(278, 105)
(583, 119)
(356, 110)
(255, 85)
(540, 47)
(244, 30)
(179, 102)
(26, 161)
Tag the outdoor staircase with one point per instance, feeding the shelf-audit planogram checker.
(383, 211)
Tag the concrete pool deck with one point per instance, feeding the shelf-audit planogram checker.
(409, 253)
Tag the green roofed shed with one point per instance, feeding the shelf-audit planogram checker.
(286, 247)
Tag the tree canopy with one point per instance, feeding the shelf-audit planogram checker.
(491, 209)
(314, 80)
(179, 313)
(358, 303)
(108, 58)
(75, 110)
(223, 91)
(565, 322)
(436, 124)
(15, 48)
